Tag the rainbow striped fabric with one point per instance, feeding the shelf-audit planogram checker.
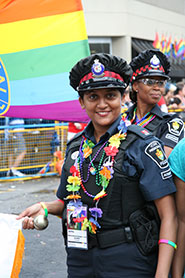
(40, 41)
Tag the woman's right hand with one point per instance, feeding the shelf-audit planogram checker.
(29, 214)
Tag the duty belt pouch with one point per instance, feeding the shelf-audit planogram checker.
(145, 224)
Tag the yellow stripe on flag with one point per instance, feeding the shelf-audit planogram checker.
(42, 32)
(18, 256)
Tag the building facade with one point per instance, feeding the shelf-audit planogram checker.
(126, 27)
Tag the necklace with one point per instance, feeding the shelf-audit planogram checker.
(145, 120)
(104, 173)
(86, 151)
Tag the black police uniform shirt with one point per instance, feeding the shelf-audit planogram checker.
(155, 178)
(170, 127)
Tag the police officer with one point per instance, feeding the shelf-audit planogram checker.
(116, 190)
(150, 73)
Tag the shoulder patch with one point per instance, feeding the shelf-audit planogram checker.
(175, 126)
(140, 131)
(155, 152)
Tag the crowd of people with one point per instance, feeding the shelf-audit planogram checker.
(121, 201)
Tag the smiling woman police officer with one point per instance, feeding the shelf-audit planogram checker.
(150, 73)
(114, 177)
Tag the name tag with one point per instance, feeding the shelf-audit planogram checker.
(76, 237)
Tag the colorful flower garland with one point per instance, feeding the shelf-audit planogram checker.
(104, 173)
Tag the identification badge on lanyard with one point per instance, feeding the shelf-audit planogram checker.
(76, 237)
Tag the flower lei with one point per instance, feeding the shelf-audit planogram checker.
(105, 173)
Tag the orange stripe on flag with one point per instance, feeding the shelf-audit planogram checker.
(18, 256)
(15, 10)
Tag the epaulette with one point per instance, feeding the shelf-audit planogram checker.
(133, 132)
(140, 131)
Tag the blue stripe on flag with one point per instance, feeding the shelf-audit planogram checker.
(42, 90)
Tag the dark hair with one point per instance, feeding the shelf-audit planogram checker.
(133, 95)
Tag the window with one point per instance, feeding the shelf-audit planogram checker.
(98, 45)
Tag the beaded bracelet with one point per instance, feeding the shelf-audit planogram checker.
(45, 208)
(168, 242)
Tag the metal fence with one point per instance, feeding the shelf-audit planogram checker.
(33, 150)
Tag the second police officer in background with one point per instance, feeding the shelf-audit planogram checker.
(116, 190)
(150, 73)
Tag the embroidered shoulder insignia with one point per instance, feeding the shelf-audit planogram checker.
(155, 152)
(175, 126)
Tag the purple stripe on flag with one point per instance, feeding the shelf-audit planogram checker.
(69, 111)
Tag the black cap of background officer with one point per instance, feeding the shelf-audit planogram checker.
(100, 71)
(147, 64)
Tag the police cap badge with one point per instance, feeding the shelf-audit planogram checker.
(150, 63)
(99, 71)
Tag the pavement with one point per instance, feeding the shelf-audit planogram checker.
(44, 255)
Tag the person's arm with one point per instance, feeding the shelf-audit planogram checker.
(55, 207)
(167, 150)
(168, 230)
(179, 258)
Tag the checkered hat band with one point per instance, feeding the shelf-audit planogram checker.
(105, 74)
(146, 69)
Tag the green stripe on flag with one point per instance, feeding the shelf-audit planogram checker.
(44, 61)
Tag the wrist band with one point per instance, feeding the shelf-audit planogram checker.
(59, 200)
(168, 242)
(45, 208)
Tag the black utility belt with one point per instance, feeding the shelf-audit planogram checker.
(109, 238)
(143, 229)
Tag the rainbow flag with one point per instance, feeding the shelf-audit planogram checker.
(156, 42)
(183, 55)
(175, 49)
(40, 42)
(180, 47)
(163, 44)
(168, 46)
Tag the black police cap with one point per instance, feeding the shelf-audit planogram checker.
(150, 63)
(99, 71)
